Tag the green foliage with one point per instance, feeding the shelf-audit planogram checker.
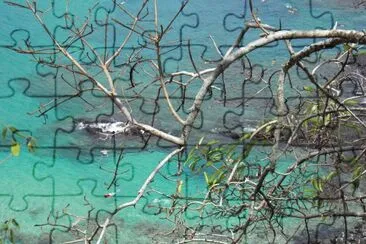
(317, 183)
(15, 149)
(215, 161)
(13, 135)
(356, 177)
(4, 132)
(31, 145)
(308, 88)
(351, 102)
(324, 115)
(347, 47)
(330, 176)
(7, 231)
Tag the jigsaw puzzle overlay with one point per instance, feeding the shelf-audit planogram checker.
(85, 150)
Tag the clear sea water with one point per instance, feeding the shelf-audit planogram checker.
(67, 165)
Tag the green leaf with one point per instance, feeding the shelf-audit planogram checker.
(206, 178)
(323, 218)
(179, 186)
(31, 145)
(5, 130)
(269, 128)
(212, 142)
(246, 136)
(346, 47)
(231, 151)
(330, 176)
(317, 183)
(193, 164)
(354, 161)
(357, 172)
(351, 102)
(327, 119)
(215, 156)
(15, 149)
(209, 163)
(314, 182)
(12, 129)
(314, 120)
(308, 88)
(218, 177)
(314, 109)
(200, 141)
(309, 192)
(191, 155)
(320, 184)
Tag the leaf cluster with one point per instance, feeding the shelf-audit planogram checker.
(216, 161)
(12, 134)
(7, 231)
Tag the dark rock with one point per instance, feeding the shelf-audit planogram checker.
(108, 128)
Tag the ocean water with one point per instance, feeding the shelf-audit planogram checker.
(68, 163)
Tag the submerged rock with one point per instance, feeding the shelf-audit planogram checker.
(109, 128)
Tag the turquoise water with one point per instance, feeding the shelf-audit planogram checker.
(67, 165)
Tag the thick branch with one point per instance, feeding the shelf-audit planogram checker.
(347, 36)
